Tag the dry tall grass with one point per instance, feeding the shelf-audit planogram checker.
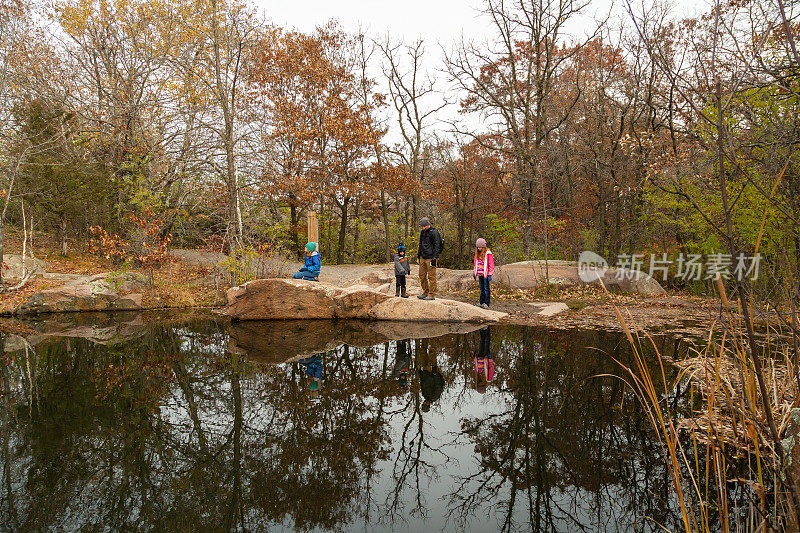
(733, 423)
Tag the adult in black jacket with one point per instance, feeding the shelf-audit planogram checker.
(430, 246)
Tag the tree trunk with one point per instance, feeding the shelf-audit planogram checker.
(294, 220)
(529, 209)
(356, 231)
(234, 215)
(405, 217)
(603, 245)
(546, 236)
(234, 229)
(460, 228)
(63, 228)
(387, 232)
(11, 183)
(2, 257)
(342, 230)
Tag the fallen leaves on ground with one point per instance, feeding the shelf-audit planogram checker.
(10, 300)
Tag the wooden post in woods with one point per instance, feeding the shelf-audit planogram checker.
(312, 227)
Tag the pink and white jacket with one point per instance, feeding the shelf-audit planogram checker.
(483, 267)
(484, 367)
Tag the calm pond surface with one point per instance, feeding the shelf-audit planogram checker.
(137, 422)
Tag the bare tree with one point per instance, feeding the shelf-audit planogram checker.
(416, 101)
(513, 84)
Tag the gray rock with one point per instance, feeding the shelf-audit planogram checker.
(631, 282)
(13, 264)
(550, 308)
(531, 274)
(102, 292)
(439, 310)
(59, 276)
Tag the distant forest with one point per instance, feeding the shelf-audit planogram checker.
(203, 123)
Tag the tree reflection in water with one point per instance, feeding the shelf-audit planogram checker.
(170, 431)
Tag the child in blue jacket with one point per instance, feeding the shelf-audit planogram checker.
(312, 266)
(401, 270)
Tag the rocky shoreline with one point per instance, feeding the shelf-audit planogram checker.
(366, 292)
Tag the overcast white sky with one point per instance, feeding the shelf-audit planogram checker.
(433, 20)
(441, 23)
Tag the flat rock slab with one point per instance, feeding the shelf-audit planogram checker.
(286, 299)
(438, 310)
(60, 276)
(550, 308)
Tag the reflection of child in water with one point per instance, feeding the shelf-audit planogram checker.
(401, 363)
(313, 366)
(484, 364)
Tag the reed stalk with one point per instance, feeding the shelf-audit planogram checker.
(746, 408)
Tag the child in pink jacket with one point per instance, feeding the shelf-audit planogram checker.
(482, 270)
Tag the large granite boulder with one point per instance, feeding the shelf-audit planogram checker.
(381, 277)
(271, 299)
(531, 274)
(352, 302)
(281, 299)
(455, 280)
(631, 282)
(101, 292)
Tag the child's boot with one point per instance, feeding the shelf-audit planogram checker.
(404, 294)
(397, 291)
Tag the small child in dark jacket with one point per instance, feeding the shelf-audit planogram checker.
(401, 269)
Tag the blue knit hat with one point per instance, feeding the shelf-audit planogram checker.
(401, 247)
(311, 246)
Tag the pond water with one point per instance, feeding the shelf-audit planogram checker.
(148, 423)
